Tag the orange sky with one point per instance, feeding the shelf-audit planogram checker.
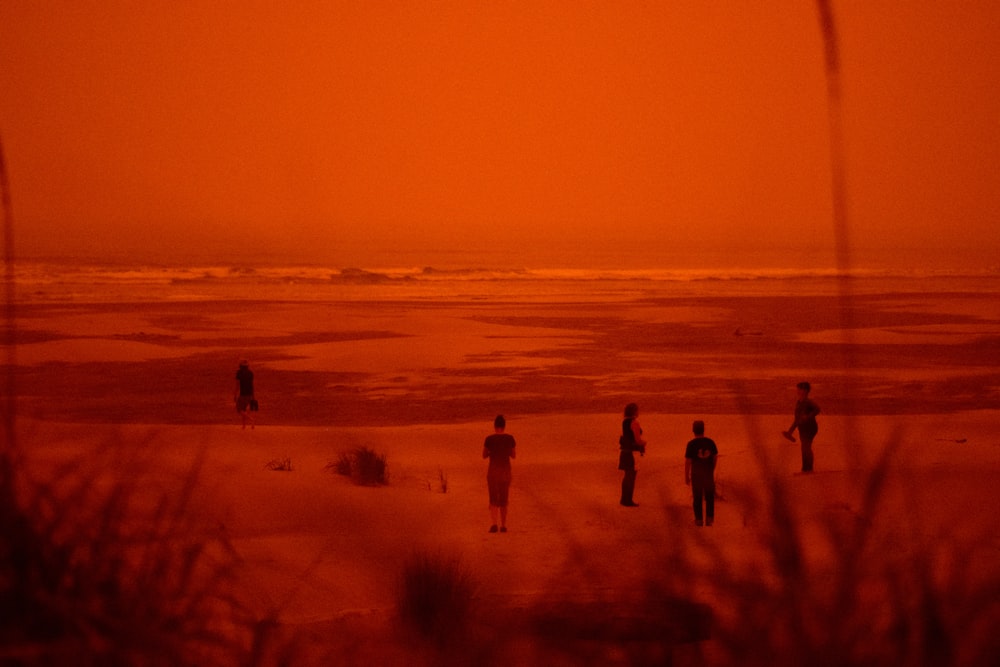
(328, 131)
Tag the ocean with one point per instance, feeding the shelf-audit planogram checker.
(71, 281)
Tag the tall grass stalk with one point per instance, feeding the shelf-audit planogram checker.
(435, 596)
(96, 566)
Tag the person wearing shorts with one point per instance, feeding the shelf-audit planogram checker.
(499, 449)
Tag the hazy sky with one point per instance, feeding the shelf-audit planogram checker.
(331, 131)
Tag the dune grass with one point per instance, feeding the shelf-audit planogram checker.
(100, 568)
(363, 465)
(435, 596)
(858, 588)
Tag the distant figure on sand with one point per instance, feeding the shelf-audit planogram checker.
(243, 393)
(499, 449)
(699, 473)
(805, 421)
(631, 441)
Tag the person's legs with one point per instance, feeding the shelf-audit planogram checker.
(628, 487)
(807, 450)
(709, 504)
(243, 407)
(696, 494)
(503, 499)
(491, 484)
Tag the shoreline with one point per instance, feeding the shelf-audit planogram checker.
(411, 362)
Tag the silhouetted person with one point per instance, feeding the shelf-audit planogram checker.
(699, 473)
(631, 441)
(805, 421)
(243, 393)
(499, 449)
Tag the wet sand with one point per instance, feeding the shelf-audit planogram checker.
(351, 363)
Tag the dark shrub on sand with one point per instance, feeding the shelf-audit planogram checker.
(435, 596)
(363, 465)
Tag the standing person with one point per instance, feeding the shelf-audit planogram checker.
(630, 441)
(805, 420)
(243, 392)
(499, 449)
(699, 473)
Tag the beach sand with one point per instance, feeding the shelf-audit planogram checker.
(892, 529)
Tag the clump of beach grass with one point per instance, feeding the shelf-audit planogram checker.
(363, 465)
(435, 596)
(100, 569)
(343, 465)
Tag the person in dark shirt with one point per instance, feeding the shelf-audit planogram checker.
(243, 393)
(499, 449)
(699, 473)
(805, 421)
(631, 441)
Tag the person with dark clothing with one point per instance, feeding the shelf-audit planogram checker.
(499, 448)
(699, 473)
(243, 393)
(805, 421)
(631, 441)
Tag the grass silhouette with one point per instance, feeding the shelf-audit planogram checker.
(435, 597)
(99, 568)
(363, 465)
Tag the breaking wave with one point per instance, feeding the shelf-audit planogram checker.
(55, 281)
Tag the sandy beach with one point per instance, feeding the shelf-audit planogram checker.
(887, 551)
(410, 218)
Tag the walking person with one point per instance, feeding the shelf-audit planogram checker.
(805, 421)
(631, 441)
(499, 448)
(243, 393)
(699, 473)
